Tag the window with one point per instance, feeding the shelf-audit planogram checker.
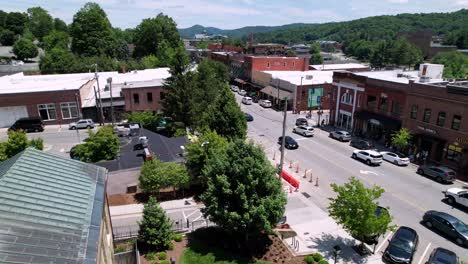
(454, 153)
(149, 96)
(371, 102)
(268, 64)
(47, 111)
(396, 108)
(414, 112)
(383, 104)
(427, 115)
(456, 122)
(136, 98)
(69, 110)
(294, 64)
(347, 98)
(284, 64)
(441, 119)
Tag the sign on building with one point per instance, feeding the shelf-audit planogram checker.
(315, 97)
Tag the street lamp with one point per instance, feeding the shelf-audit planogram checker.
(336, 251)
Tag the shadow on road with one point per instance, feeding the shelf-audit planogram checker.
(326, 242)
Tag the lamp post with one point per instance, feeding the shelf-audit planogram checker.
(109, 82)
(336, 251)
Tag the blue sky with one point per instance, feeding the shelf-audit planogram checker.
(228, 14)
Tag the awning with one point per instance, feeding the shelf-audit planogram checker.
(272, 91)
(239, 81)
(377, 119)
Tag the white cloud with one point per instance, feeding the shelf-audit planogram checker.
(462, 2)
(398, 1)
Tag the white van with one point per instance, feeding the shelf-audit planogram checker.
(247, 100)
(265, 103)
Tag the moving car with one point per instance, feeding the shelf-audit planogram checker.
(402, 246)
(340, 135)
(265, 103)
(439, 173)
(82, 123)
(301, 122)
(28, 124)
(395, 158)
(242, 92)
(306, 131)
(248, 117)
(442, 256)
(247, 100)
(289, 142)
(370, 157)
(448, 225)
(457, 196)
(361, 144)
(234, 88)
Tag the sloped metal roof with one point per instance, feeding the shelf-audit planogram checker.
(50, 209)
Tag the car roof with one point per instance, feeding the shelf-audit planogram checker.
(373, 152)
(449, 218)
(405, 232)
(441, 255)
(457, 190)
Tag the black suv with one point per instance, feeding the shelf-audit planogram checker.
(361, 144)
(442, 256)
(28, 124)
(289, 142)
(402, 246)
(447, 224)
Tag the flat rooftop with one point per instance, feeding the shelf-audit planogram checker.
(308, 77)
(343, 66)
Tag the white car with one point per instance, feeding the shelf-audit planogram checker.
(265, 103)
(306, 131)
(457, 195)
(234, 88)
(370, 157)
(82, 123)
(247, 100)
(397, 159)
(242, 92)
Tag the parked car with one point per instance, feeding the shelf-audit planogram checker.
(374, 239)
(82, 123)
(439, 173)
(448, 225)
(361, 144)
(247, 100)
(370, 157)
(234, 88)
(242, 92)
(28, 124)
(395, 158)
(402, 246)
(289, 142)
(301, 122)
(265, 103)
(306, 131)
(340, 135)
(248, 117)
(442, 256)
(457, 196)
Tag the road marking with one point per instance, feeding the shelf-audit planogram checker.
(425, 252)
(368, 172)
(194, 211)
(62, 150)
(384, 241)
(60, 129)
(185, 217)
(300, 139)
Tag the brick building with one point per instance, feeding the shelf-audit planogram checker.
(143, 96)
(429, 43)
(274, 63)
(221, 47)
(266, 49)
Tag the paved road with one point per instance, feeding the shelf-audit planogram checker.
(408, 194)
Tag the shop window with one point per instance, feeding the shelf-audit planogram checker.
(136, 98)
(441, 119)
(427, 115)
(69, 110)
(383, 105)
(47, 111)
(454, 153)
(414, 112)
(149, 96)
(347, 98)
(456, 122)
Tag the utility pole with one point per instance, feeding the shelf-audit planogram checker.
(96, 76)
(280, 167)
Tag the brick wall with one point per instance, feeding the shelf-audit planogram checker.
(303, 93)
(252, 64)
(144, 104)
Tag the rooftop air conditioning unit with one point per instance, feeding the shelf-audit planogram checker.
(309, 77)
(424, 79)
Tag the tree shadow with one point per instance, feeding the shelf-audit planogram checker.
(325, 243)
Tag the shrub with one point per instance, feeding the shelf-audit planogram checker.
(150, 255)
(171, 246)
(309, 260)
(323, 261)
(178, 237)
(165, 262)
(317, 257)
(162, 255)
(119, 249)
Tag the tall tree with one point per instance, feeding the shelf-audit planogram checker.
(57, 60)
(90, 31)
(455, 64)
(401, 138)
(155, 228)
(25, 49)
(16, 22)
(354, 208)
(315, 56)
(40, 23)
(405, 53)
(380, 56)
(60, 25)
(243, 196)
(151, 31)
(7, 37)
(56, 39)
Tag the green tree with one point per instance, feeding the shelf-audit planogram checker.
(314, 48)
(315, 59)
(455, 64)
(290, 53)
(40, 23)
(3, 16)
(401, 138)
(147, 119)
(243, 196)
(17, 142)
(202, 45)
(90, 31)
(354, 208)
(405, 53)
(380, 56)
(57, 60)
(16, 22)
(60, 25)
(209, 144)
(37, 143)
(56, 39)
(149, 62)
(7, 37)
(155, 228)
(102, 145)
(25, 49)
(156, 175)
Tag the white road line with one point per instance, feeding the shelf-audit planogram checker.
(194, 211)
(425, 252)
(183, 213)
(383, 242)
(200, 216)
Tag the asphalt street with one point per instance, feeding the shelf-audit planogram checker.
(407, 194)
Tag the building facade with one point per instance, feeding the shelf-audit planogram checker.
(143, 98)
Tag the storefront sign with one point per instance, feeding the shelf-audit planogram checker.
(461, 140)
(427, 130)
(455, 148)
(315, 97)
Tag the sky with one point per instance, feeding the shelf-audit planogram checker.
(230, 14)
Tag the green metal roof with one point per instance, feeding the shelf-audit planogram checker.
(50, 209)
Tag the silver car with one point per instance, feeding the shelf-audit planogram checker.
(340, 135)
(82, 123)
(439, 173)
(306, 131)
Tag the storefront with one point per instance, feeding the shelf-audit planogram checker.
(345, 120)
(376, 126)
(277, 97)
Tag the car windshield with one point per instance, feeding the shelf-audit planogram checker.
(403, 245)
(401, 156)
(376, 156)
(460, 227)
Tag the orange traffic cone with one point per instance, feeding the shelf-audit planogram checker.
(305, 174)
(311, 177)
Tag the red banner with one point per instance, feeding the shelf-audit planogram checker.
(290, 179)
